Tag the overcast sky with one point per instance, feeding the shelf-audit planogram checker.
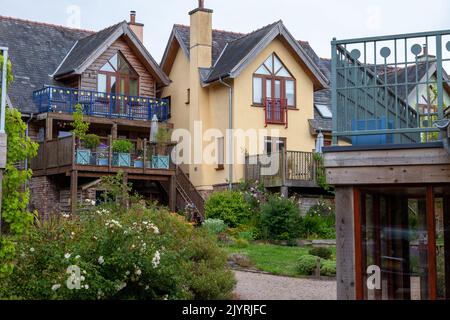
(315, 21)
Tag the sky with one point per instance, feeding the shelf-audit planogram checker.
(314, 21)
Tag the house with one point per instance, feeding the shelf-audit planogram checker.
(263, 80)
(392, 185)
(115, 80)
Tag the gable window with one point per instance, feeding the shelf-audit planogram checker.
(117, 76)
(273, 80)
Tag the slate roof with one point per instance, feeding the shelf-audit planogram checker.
(35, 55)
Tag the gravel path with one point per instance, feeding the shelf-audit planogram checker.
(253, 286)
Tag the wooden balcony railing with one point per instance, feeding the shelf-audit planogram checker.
(62, 154)
(290, 168)
(101, 104)
(276, 111)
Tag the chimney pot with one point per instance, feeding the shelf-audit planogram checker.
(201, 4)
(133, 17)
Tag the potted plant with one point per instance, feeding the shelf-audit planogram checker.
(149, 155)
(102, 155)
(161, 160)
(139, 161)
(91, 142)
(121, 153)
(80, 129)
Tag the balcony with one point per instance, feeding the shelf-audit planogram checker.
(390, 89)
(63, 155)
(288, 169)
(276, 111)
(100, 104)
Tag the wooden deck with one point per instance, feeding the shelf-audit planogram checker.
(295, 170)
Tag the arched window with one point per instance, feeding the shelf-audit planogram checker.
(273, 80)
(117, 76)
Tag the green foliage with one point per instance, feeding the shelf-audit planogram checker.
(314, 226)
(122, 146)
(137, 252)
(280, 219)
(328, 268)
(307, 265)
(91, 141)
(229, 206)
(241, 243)
(321, 252)
(321, 174)
(15, 197)
(80, 127)
(246, 235)
(163, 136)
(9, 74)
(214, 226)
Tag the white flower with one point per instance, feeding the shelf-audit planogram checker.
(156, 260)
(127, 273)
(86, 286)
(32, 250)
(82, 278)
(138, 272)
(67, 255)
(66, 216)
(77, 257)
(56, 287)
(121, 286)
(101, 260)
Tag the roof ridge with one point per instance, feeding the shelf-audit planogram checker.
(45, 24)
(257, 30)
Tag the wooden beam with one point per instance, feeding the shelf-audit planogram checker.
(140, 177)
(359, 285)
(73, 191)
(114, 130)
(432, 264)
(447, 244)
(173, 193)
(49, 129)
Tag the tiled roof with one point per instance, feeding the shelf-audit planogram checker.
(36, 51)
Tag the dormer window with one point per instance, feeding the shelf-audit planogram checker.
(272, 80)
(117, 76)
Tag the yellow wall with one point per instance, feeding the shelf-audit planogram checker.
(210, 105)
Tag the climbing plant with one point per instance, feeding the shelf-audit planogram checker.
(80, 127)
(321, 174)
(15, 196)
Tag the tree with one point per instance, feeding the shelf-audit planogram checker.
(15, 196)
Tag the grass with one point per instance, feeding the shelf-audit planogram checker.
(274, 259)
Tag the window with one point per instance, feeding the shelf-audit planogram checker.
(117, 76)
(220, 153)
(273, 80)
(274, 145)
(324, 111)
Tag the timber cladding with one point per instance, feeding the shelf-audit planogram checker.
(147, 83)
(404, 166)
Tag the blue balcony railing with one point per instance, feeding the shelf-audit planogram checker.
(101, 104)
(390, 89)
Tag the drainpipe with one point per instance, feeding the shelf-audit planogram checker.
(27, 135)
(230, 129)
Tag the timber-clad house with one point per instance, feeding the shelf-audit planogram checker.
(276, 81)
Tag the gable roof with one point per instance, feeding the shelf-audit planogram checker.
(42, 54)
(231, 52)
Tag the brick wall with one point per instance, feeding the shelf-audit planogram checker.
(44, 195)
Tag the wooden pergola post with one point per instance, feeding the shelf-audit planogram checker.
(73, 191)
(49, 129)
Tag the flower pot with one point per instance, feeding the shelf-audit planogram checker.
(148, 164)
(161, 162)
(138, 164)
(102, 162)
(83, 157)
(122, 160)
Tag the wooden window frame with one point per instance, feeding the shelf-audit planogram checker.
(273, 78)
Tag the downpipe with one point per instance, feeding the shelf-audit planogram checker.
(230, 132)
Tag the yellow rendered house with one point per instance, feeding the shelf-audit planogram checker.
(263, 82)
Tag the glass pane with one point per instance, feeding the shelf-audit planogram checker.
(101, 83)
(262, 70)
(290, 92)
(284, 73)
(277, 64)
(113, 88)
(269, 64)
(268, 146)
(114, 62)
(277, 89)
(269, 88)
(257, 90)
(134, 87)
(125, 67)
(122, 86)
(108, 68)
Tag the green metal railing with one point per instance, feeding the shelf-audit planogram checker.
(390, 89)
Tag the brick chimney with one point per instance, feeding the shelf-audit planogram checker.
(138, 28)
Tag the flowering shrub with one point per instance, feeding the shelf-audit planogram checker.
(114, 253)
(214, 226)
(228, 206)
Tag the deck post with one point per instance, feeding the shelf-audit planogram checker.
(48, 128)
(110, 153)
(114, 131)
(173, 193)
(73, 191)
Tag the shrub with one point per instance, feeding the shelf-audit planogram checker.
(307, 265)
(321, 252)
(246, 235)
(280, 219)
(229, 206)
(328, 268)
(138, 253)
(214, 226)
(315, 226)
(122, 146)
(241, 243)
(91, 141)
(246, 231)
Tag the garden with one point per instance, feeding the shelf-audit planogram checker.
(267, 232)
